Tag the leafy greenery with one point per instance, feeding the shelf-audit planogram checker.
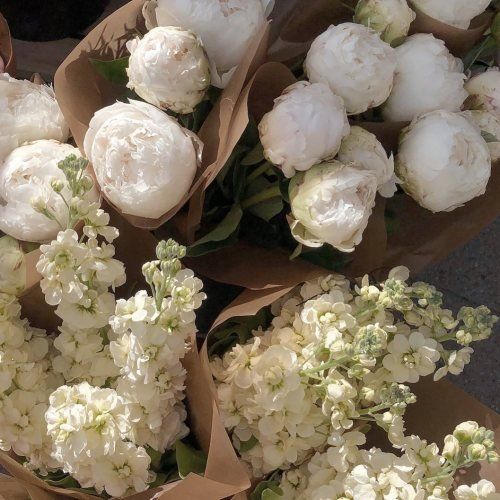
(267, 490)
(189, 460)
(115, 71)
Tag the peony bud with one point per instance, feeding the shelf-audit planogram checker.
(28, 112)
(143, 159)
(363, 148)
(489, 125)
(168, 67)
(464, 431)
(458, 13)
(427, 78)
(390, 18)
(356, 64)
(12, 266)
(451, 448)
(225, 28)
(443, 162)
(305, 126)
(26, 176)
(484, 92)
(331, 203)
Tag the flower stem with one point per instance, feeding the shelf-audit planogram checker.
(258, 171)
(267, 194)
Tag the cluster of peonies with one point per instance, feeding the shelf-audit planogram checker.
(334, 357)
(144, 160)
(346, 471)
(98, 398)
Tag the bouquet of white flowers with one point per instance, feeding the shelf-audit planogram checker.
(300, 384)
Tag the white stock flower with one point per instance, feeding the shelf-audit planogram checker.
(484, 91)
(12, 266)
(143, 159)
(356, 64)
(331, 203)
(443, 162)
(305, 126)
(225, 28)
(427, 78)
(489, 124)
(363, 148)
(458, 13)
(483, 490)
(390, 18)
(411, 357)
(28, 112)
(168, 67)
(455, 363)
(25, 177)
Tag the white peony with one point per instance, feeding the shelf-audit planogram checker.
(484, 91)
(363, 148)
(483, 490)
(168, 67)
(331, 203)
(390, 18)
(356, 64)
(12, 266)
(427, 78)
(225, 28)
(305, 126)
(25, 177)
(489, 125)
(28, 112)
(443, 162)
(144, 161)
(458, 13)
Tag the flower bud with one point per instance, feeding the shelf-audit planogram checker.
(57, 185)
(12, 266)
(489, 125)
(168, 67)
(476, 451)
(305, 126)
(443, 162)
(225, 29)
(493, 457)
(451, 448)
(29, 113)
(356, 64)
(458, 13)
(331, 203)
(26, 178)
(390, 18)
(143, 159)
(464, 431)
(363, 148)
(428, 78)
(484, 92)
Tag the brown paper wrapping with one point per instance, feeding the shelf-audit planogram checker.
(6, 50)
(224, 475)
(81, 91)
(439, 408)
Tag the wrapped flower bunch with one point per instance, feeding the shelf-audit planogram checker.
(146, 154)
(98, 405)
(300, 385)
(309, 177)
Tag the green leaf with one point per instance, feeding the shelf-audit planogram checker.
(267, 490)
(495, 28)
(248, 445)
(226, 228)
(156, 458)
(484, 51)
(488, 137)
(266, 209)
(256, 155)
(189, 460)
(114, 71)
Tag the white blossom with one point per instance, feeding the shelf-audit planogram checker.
(484, 91)
(483, 490)
(12, 266)
(489, 124)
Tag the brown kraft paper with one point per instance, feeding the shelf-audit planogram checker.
(81, 91)
(439, 408)
(6, 49)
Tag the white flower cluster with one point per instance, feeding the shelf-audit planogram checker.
(109, 388)
(335, 355)
(344, 471)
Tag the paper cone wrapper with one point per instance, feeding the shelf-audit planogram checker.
(6, 49)
(224, 474)
(439, 408)
(81, 91)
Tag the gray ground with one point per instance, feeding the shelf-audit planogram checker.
(470, 276)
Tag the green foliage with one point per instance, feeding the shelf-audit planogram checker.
(267, 490)
(189, 460)
(115, 71)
